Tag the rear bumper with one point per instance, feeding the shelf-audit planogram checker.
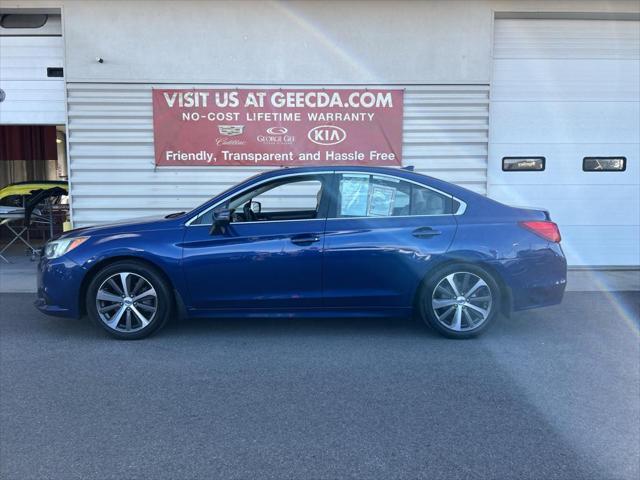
(59, 282)
(537, 280)
(540, 296)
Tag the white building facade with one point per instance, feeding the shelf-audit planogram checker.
(486, 82)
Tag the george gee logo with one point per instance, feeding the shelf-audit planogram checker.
(230, 130)
(276, 136)
(327, 135)
(277, 131)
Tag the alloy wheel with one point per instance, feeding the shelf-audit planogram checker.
(126, 302)
(461, 301)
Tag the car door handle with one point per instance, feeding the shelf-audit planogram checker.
(425, 232)
(305, 239)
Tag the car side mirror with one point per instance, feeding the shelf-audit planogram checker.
(221, 221)
(256, 207)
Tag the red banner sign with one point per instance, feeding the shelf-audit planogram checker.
(282, 127)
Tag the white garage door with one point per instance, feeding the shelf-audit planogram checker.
(566, 90)
(31, 61)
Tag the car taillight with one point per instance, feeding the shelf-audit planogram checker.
(547, 230)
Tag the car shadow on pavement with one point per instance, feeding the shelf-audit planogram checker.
(297, 326)
(626, 307)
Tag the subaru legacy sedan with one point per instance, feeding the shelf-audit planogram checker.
(323, 242)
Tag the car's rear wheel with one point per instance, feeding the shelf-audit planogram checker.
(129, 299)
(460, 300)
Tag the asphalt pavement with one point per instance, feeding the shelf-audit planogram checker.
(551, 393)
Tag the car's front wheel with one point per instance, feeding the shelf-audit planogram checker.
(460, 300)
(129, 299)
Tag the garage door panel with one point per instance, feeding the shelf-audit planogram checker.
(17, 54)
(18, 106)
(577, 204)
(27, 73)
(601, 246)
(33, 91)
(27, 58)
(565, 38)
(41, 62)
(34, 116)
(565, 122)
(565, 80)
(564, 163)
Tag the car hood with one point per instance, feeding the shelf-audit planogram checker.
(156, 222)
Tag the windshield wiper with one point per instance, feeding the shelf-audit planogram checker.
(174, 215)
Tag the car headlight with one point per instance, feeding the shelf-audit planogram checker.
(56, 248)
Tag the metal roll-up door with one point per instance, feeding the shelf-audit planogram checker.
(113, 175)
(568, 90)
(31, 71)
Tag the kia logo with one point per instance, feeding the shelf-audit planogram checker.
(327, 135)
(277, 131)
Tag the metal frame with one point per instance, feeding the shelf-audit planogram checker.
(17, 235)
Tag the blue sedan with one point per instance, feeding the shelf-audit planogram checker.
(321, 242)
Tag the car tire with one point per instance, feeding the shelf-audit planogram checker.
(460, 300)
(137, 309)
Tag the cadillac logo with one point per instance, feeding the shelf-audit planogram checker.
(231, 130)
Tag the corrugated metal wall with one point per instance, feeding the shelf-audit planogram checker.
(113, 175)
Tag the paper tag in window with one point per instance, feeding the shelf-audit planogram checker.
(354, 194)
(381, 201)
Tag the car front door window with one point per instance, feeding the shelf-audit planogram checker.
(295, 198)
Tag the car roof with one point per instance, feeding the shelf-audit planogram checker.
(395, 171)
(318, 168)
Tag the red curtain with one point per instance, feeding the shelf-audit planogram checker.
(28, 142)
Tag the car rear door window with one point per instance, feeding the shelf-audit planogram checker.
(364, 195)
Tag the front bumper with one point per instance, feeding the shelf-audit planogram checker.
(59, 283)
